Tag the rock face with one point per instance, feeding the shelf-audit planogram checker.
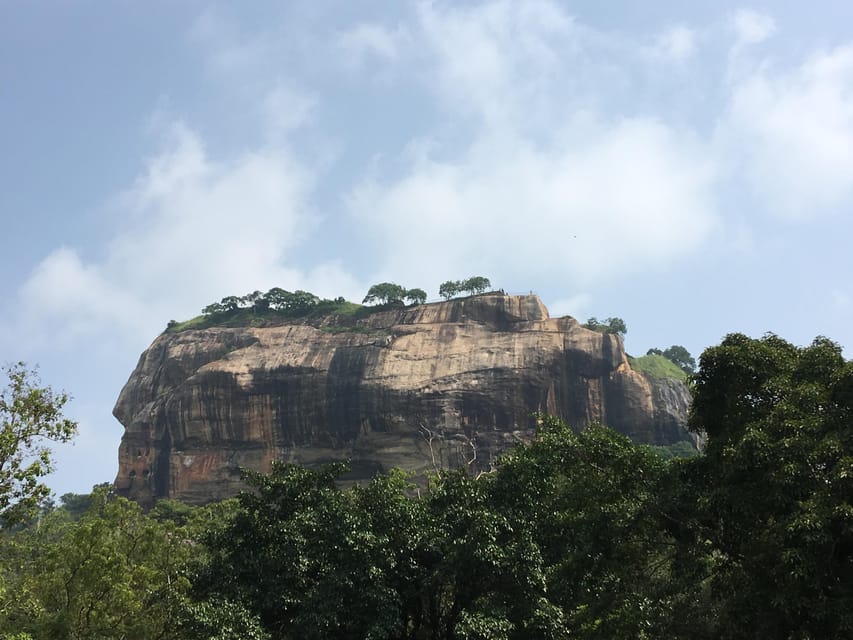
(436, 385)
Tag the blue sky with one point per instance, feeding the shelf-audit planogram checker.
(685, 166)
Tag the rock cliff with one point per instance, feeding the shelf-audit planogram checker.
(436, 385)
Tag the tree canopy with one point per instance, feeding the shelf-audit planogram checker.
(474, 285)
(30, 417)
(773, 491)
(609, 325)
(391, 293)
(385, 293)
(276, 301)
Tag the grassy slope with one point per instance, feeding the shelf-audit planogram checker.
(660, 368)
(657, 367)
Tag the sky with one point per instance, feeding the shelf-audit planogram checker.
(685, 166)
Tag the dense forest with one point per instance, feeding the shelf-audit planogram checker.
(573, 535)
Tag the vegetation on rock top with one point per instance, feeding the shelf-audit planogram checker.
(278, 305)
(609, 325)
(657, 367)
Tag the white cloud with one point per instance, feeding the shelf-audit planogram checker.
(752, 27)
(793, 133)
(67, 300)
(190, 231)
(633, 194)
(590, 198)
(495, 59)
(194, 220)
(575, 306)
(676, 44)
(286, 109)
(370, 40)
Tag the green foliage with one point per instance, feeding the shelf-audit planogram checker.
(231, 303)
(474, 285)
(112, 574)
(416, 296)
(449, 289)
(609, 325)
(307, 558)
(385, 293)
(218, 619)
(657, 366)
(30, 416)
(276, 299)
(471, 558)
(678, 355)
(571, 488)
(77, 504)
(276, 305)
(680, 449)
(772, 496)
(301, 301)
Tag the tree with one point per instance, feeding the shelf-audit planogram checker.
(214, 308)
(277, 298)
(416, 296)
(449, 289)
(610, 325)
(311, 560)
(484, 575)
(771, 498)
(602, 586)
(30, 416)
(114, 574)
(301, 300)
(617, 326)
(476, 285)
(593, 324)
(230, 304)
(385, 293)
(250, 299)
(681, 357)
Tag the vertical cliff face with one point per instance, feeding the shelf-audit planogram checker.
(437, 385)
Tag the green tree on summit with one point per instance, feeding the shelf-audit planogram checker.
(476, 285)
(681, 357)
(416, 296)
(230, 304)
(609, 325)
(277, 298)
(385, 293)
(449, 289)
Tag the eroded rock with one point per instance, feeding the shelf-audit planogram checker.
(436, 385)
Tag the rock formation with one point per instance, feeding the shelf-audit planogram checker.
(435, 385)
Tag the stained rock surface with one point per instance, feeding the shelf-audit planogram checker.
(446, 384)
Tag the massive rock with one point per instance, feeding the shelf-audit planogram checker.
(436, 385)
